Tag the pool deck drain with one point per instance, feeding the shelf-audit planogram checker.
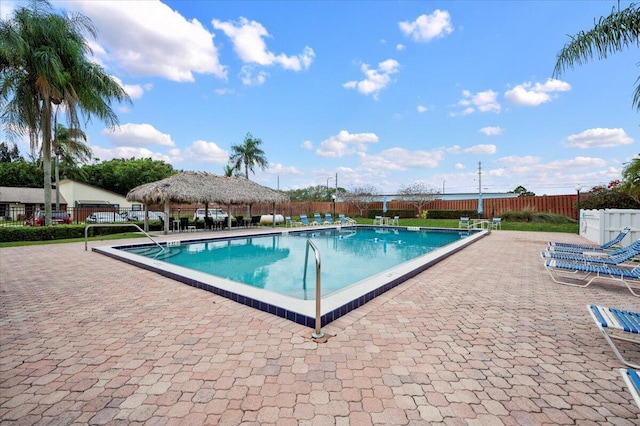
(483, 337)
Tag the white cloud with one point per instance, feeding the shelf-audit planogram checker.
(375, 79)
(224, 91)
(480, 150)
(459, 166)
(345, 143)
(519, 161)
(482, 101)
(307, 145)
(428, 27)
(135, 91)
(248, 38)
(599, 138)
(251, 77)
(106, 154)
(529, 94)
(131, 134)
(278, 169)
(206, 152)
(400, 47)
(148, 38)
(400, 159)
(491, 131)
(422, 109)
(565, 166)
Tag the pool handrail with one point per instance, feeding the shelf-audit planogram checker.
(86, 232)
(318, 333)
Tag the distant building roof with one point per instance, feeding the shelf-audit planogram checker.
(18, 195)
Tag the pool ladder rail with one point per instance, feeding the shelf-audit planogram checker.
(318, 333)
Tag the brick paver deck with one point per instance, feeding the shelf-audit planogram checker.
(482, 338)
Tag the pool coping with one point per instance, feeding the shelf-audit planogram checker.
(300, 311)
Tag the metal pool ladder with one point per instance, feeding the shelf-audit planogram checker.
(318, 333)
(92, 225)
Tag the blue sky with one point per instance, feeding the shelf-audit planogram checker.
(381, 93)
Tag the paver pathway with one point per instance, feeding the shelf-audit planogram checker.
(482, 338)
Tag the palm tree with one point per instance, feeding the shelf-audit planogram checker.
(68, 145)
(610, 34)
(228, 170)
(248, 155)
(43, 63)
(631, 178)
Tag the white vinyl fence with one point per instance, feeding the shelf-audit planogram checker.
(601, 226)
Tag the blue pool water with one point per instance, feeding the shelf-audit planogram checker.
(277, 262)
(265, 270)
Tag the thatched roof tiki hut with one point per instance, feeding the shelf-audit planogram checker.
(203, 188)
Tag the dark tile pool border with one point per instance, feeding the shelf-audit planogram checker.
(279, 311)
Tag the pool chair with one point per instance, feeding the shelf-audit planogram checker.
(632, 380)
(617, 324)
(616, 257)
(377, 220)
(328, 220)
(346, 220)
(287, 221)
(591, 247)
(304, 220)
(496, 223)
(582, 274)
(317, 219)
(395, 221)
(464, 222)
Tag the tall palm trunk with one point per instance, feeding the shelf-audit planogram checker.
(46, 157)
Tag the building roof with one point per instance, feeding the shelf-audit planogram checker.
(19, 195)
(200, 187)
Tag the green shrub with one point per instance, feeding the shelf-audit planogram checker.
(530, 215)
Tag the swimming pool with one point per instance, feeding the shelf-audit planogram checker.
(267, 270)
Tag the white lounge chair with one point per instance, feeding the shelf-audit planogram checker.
(632, 380)
(464, 222)
(590, 247)
(617, 324)
(582, 274)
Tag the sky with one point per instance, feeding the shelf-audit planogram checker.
(384, 94)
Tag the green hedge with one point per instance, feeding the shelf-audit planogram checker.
(404, 214)
(63, 232)
(451, 214)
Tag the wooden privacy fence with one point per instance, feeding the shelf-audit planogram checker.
(492, 207)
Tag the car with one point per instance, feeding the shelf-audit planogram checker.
(138, 215)
(218, 215)
(58, 217)
(107, 217)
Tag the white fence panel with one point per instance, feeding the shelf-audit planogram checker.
(601, 226)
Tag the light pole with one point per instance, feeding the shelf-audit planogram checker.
(578, 188)
(328, 179)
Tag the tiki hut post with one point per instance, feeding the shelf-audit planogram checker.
(166, 215)
(273, 217)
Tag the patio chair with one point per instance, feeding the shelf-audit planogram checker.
(395, 221)
(496, 223)
(345, 220)
(464, 222)
(317, 220)
(304, 220)
(287, 221)
(616, 257)
(377, 220)
(590, 247)
(581, 274)
(617, 324)
(632, 380)
(328, 220)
